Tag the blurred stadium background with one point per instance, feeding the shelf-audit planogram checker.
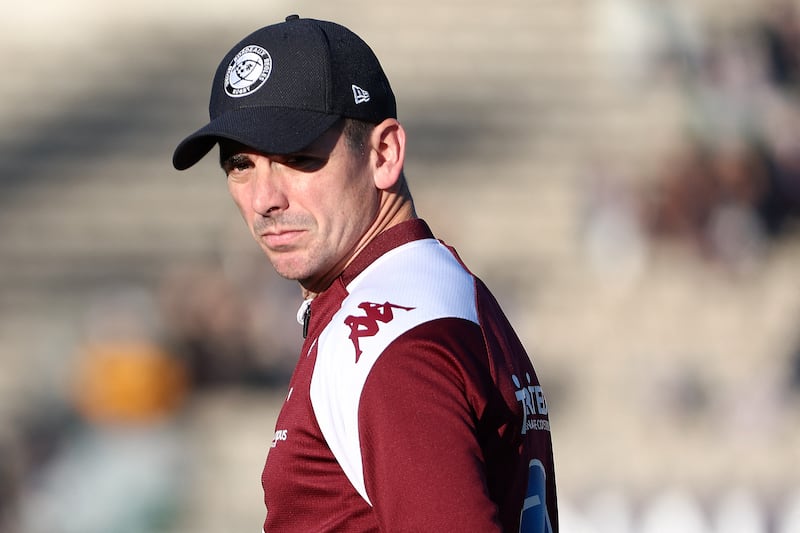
(625, 174)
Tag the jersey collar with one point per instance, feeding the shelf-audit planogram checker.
(402, 233)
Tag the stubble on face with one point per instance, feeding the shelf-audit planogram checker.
(324, 225)
(297, 260)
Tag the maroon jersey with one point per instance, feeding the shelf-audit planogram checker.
(413, 406)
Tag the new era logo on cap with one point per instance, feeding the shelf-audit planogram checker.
(360, 95)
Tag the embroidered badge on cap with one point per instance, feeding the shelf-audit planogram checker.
(248, 71)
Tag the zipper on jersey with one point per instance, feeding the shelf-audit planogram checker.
(304, 315)
(306, 319)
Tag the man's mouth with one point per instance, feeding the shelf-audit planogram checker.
(276, 239)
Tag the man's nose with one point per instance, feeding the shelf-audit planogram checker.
(269, 194)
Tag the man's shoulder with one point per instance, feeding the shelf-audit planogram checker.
(422, 275)
(410, 285)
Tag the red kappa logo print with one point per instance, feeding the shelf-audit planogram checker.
(367, 326)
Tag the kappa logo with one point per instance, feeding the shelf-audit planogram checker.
(367, 326)
(360, 95)
(247, 71)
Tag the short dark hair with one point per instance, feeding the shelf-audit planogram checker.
(356, 134)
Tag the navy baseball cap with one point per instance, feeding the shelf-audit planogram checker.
(283, 86)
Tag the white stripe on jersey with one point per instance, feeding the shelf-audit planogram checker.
(421, 274)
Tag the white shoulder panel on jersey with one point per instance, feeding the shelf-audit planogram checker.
(408, 286)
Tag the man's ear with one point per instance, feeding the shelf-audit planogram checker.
(388, 142)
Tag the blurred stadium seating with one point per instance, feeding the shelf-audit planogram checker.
(625, 174)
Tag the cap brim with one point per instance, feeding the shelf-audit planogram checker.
(269, 130)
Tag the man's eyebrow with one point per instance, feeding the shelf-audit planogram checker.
(230, 161)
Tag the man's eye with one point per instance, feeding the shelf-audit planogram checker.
(304, 163)
(236, 163)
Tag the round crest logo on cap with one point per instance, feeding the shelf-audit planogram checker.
(247, 71)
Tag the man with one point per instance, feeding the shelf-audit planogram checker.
(413, 405)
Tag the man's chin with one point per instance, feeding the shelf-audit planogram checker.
(288, 268)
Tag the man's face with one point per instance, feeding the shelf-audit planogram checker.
(307, 210)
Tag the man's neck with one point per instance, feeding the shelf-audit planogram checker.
(395, 207)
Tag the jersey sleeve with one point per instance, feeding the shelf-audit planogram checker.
(418, 417)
